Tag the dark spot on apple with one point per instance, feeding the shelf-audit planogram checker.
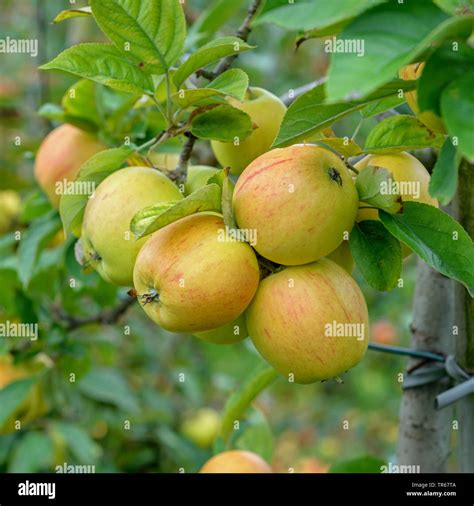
(335, 175)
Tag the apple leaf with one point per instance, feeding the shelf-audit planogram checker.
(12, 396)
(432, 82)
(79, 102)
(104, 64)
(364, 464)
(255, 435)
(222, 123)
(33, 453)
(375, 186)
(393, 34)
(377, 254)
(310, 113)
(457, 107)
(33, 241)
(240, 400)
(72, 13)
(344, 146)
(232, 83)
(152, 218)
(399, 133)
(91, 173)
(306, 16)
(436, 238)
(444, 179)
(150, 34)
(209, 53)
(79, 442)
(215, 15)
(226, 201)
(382, 105)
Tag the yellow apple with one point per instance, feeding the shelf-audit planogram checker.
(236, 461)
(197, 177)
(231, 333)
(10, 205)
(299, 201)
(266, 112)
(202, 427)
(32, 407)
(343, 257)
(428, 118)
(164, 161)
(108, 244)
(310, 322)
(413, 177)
(60, 157)
(190, 277)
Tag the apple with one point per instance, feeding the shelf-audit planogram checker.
(428, 118)
(342, 256)
(299, 201)
(231, 333)
(190, 277)
(10, 206)
(197, 177)
(405, 168)
(164, 161)
(266, 112)
(108, 244)
(236, 461)
(32, 407)
(202, 427)
(309, 321)
(60, 157)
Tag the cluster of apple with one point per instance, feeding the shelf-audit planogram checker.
(288, 284)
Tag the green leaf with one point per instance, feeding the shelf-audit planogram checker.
(433, 80)
(81, 445)
(152, 218)
(457, 7)
(79, 102)
(436, 238)
(33, 453)
(209, 53)
(308, 16)
(310, 113)
(377, 254)
(394, 34)
(232, 83)
(72, 13)
(400, 133)
(222, 123)
(12, 396)
(383, 105)
(375, 187)
(104, 64)
(256, 435)
(364, 464)
(34, 240)
(240, 400)
(444, 179)
(457, 108)
(344, 146)
(227, 208)
(150, 34)
(93, 171)
(214, 16)
(110, 386)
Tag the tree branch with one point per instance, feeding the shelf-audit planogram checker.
(180, 172)
(107, 317)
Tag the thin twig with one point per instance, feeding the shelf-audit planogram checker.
(180, 172)
(107, 317)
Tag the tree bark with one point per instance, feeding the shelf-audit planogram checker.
(463, 321)
(425, 433)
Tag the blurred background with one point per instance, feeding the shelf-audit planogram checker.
(125, 408)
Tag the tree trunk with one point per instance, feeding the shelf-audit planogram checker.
(425, 433)
(464, 321)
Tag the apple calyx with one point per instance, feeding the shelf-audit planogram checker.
(148, 298)
(335, 175)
